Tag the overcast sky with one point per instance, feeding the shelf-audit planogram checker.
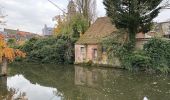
(31, 15)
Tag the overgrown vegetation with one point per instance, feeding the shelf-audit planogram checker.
(159, 52)
(154, 56)
(56, 49)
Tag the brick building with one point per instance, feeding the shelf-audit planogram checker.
(88, 47)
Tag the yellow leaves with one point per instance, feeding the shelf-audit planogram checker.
(9, 53)
(2, 43)
(20, 53)
(57, 30)
(58, 26)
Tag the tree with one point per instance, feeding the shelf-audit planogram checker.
(8, 53)
(132, 15)
(11, 42)
(76, 26)
(57, 49)
(59, 25)
(87, 8)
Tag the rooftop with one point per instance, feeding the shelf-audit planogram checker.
(101, 28)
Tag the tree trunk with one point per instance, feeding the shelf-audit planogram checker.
(3, 70)
(132, 37)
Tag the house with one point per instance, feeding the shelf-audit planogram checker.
(88, 47)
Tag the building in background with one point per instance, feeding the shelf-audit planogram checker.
(162, 29)
(19, 36)
(47, 31)
(71, 10)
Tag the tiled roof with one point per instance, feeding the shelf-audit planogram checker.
(101, 28)
(21, 33)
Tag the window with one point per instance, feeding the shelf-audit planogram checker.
(94, 53)
(82, 50)
(103, 49)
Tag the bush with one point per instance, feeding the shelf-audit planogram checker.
(136, 61)
(29, 45)
(59, 49)
(159, 52)
(130, 59)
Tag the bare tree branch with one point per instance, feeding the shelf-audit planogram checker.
(87, 8)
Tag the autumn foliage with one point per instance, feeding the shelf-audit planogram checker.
(9, 53)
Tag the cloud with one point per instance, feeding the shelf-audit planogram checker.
(31, 15)
(100, 8)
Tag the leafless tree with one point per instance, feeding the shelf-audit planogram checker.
(87, 8)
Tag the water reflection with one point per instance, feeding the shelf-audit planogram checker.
(51, 82)
(27, 90)
(5, 93)
(110, 84)
(3, 88)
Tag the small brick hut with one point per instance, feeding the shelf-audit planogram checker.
(88, 47)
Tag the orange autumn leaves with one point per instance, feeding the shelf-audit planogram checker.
(9, 53)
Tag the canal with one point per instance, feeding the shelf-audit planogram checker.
(59, 82)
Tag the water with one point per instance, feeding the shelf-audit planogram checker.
(52, 82)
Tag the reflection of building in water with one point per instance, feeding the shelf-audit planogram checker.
(90, 77)
(84, 76)
(95, 83)
(107, 84)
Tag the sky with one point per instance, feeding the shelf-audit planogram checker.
(32, 15)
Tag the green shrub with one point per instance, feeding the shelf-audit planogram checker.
(59, 49)
(130, 59)
(136, 61)
(29, 45)
(159, 52)
(155, 55)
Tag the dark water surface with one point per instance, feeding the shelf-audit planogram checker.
(52, 82)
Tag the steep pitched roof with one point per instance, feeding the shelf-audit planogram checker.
(101, 28)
